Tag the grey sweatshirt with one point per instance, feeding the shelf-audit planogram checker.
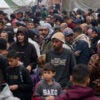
(63, 64)
(43, 89)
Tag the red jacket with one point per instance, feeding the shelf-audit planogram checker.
(36, 98)
(78, 93)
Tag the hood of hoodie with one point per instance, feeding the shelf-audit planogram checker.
(79, 93)
(84, 38)
(24, 31)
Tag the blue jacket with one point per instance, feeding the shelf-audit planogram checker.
(84, 56)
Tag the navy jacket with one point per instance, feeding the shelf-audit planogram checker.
(84, 56)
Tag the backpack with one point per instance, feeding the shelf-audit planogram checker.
(35, 76)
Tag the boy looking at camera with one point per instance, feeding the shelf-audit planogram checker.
(47, 87)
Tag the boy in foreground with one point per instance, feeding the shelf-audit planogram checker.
(5, 93)
(47, 87)
(18, 78)
(79, 91)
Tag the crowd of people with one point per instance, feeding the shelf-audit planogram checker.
(50, 54)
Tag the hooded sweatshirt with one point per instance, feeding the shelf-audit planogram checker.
(6, 94)
(43, 89)
(78, 93)
(27, 52)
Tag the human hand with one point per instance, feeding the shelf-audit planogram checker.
(50, 98)
(13, 87)
(77, 53)
(29, 68)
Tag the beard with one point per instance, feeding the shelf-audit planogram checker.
(57, 48)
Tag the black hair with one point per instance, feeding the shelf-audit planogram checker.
(10, 33)
(57, 29)
(31, 20)
(2, 22)
(65, 17)
(49, 67)
(12, 54)
(12, 16)
(78, 30)
(23, 31)
(1, 76)
(64, 12)
(80, 73)
(94, 23)
(3, 44)
(1, 12)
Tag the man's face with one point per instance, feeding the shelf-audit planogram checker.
(1, 25)
(69, 38)
(21, 37)
(75, 34)
(13, 62)
(57, 45)
(47, 20)
(45, 32)
(1, 16)
(4, 52)
(30, 26)
(4, 36)
(94, 34)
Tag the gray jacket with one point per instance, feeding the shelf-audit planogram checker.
(43, 89)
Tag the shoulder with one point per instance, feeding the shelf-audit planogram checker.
(2, 58)
(31, 46)
(95, 56)
(67, 52)
(50, 51)
(40, 84)
(13, 46)
(81, 42)
(22, 69)
(57, 84)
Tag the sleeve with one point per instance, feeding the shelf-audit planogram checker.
(33, 58)
(38, 93)
(72, 62)
(59, 89)
(80, 45)
(3, 65)
(62, 97)
(27, 84)
(91, 63)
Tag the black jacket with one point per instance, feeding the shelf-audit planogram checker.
(3, 66)
(20, 76)
(27, 53)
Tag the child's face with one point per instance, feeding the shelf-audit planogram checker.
(48, 75)
(13, 62)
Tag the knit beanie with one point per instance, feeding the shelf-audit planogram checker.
(59, 36)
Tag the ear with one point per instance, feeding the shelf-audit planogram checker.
(71, 78)
(54, 74)
(88, 81)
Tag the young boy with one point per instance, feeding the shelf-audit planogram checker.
(18, 77)
(79, 90)
(47, 87)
